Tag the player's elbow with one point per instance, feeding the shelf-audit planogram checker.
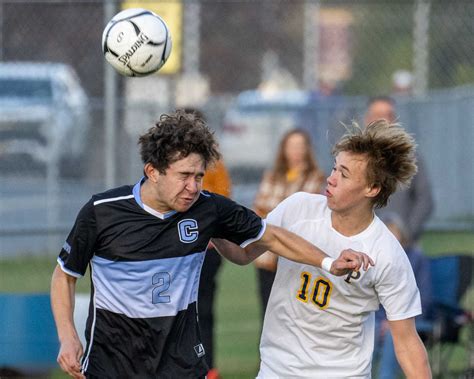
(241, 259)
(243, 262)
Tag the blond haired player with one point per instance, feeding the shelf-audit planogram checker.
(318, 325)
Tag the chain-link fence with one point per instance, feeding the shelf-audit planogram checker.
(321, 59)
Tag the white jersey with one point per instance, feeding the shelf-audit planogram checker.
(318, 325)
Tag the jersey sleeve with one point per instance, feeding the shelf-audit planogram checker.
(78, 249)
(237, 223)
(396, 286)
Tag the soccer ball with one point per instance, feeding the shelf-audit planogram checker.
(136, 42)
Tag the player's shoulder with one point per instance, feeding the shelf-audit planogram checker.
(115, 194)
(208, 196)
(103, 199)
(385, 236)
(308, 197)
(300, 207)
(215, 200)
(306, 201)
(390, 250)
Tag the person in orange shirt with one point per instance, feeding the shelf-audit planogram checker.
(216, 180)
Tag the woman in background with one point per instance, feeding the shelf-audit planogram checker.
(295, 170)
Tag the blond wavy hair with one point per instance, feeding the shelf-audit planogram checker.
(390, 153)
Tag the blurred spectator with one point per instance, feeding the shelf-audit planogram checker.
(384, 352)
(295, 169)
(216, 180)
(402, 82)
(413, 204)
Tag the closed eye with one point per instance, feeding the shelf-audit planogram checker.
(342, 172)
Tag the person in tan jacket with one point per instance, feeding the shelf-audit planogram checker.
(295, 169)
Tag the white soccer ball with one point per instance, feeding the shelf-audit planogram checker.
(136, 42)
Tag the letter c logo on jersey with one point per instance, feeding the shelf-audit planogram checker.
(188, 230)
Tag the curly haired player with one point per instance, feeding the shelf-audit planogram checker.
(145, 245)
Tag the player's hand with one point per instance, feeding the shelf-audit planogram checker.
(351, 260)
(69, 357)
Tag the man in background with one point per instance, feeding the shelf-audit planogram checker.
(414, 204)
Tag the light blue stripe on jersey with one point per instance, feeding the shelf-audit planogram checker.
(142, 289)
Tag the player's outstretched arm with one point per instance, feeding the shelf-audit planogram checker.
(410, 351)
(62, 302)
(295, 248)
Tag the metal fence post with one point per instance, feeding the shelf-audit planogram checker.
(191, 36)
(420, 46)
(110, 108)
(311, 46)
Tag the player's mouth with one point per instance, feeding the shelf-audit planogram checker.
(328, 194)
(188, 200)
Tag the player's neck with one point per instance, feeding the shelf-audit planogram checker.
(148, 196)
(353, 222)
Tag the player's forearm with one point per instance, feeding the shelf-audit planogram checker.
(291, 246)
(410, 351)
(414, 362)
(62, 303)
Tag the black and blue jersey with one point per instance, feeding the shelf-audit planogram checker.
(145, 269)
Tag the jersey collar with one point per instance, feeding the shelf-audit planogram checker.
(138, 199)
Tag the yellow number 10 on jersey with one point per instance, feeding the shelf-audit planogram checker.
(321, 290)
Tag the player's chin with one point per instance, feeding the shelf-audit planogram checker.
(182, 208)
(330, 204)
(184, 205)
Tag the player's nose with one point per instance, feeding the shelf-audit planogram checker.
(192, 186)
(331, 180)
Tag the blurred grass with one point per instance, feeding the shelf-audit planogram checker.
(238, 314)
(436, 243)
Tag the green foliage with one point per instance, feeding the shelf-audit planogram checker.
(464, 74)
(382, 44)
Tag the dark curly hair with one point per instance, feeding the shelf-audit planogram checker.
(174, 137)
(390, 152)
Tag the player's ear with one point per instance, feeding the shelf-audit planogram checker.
(373, 190)
(151, 172)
